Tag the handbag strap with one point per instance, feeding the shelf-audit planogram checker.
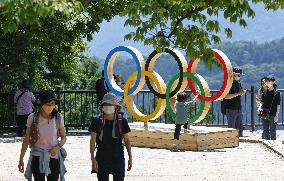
(21, 95)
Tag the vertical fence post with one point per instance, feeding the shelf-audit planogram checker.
(58, 97)
(252, 109)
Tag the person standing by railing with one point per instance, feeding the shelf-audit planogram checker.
(234, 102)
(101, 89)
(270, 107)
(260, 91)
(24, 100)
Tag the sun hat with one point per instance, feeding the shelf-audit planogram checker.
(111, 98)
(46, 96)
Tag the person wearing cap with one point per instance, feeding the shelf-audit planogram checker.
(107, 132)
(24, 100)
(43, 130)
(234, 102)
(270, 101)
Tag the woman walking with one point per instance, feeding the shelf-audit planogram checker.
(43, 129)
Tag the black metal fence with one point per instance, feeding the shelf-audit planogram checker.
(79, 107)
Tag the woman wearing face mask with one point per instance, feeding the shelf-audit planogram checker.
(43, 129)
(270, 100)
(107, 132)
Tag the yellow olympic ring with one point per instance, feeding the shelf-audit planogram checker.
(129, 100)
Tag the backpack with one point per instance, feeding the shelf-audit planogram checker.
(119, 118)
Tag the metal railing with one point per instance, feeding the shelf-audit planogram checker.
(79, 107)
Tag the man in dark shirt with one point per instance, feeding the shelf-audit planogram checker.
(101, 88)
(271, 105)
(107, 132)
(234, 103)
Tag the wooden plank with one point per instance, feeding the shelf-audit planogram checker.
(227, 145)
(217, 142)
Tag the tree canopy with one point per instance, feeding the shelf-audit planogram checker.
(191, 25)
(45, 40)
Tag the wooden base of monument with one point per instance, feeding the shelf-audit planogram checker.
(197, 139)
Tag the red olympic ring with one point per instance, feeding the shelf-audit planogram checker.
(192, 69)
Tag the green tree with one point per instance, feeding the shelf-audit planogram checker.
(15, 13)
(89, 74)
(48, 55)
(191, 25)
(47, 41)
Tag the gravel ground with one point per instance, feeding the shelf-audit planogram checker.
(246, 162)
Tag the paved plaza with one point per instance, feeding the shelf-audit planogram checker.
(249, 162)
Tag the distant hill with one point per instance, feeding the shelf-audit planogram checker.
(267, 26)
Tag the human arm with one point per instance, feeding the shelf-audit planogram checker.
(231, 96)
(195, 98)
(24, 148)
(16, 97)
(277, 101)
(92, 151)
(277, 113)
(173, 101)
(62, 141)
(128, 148)
(33, 99)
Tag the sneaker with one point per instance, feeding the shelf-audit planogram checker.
(175, 148)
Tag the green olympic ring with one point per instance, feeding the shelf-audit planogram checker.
(199, 84)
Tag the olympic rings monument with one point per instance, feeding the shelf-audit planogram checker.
(161, 135)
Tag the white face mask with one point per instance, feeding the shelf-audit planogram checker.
(108, 109)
